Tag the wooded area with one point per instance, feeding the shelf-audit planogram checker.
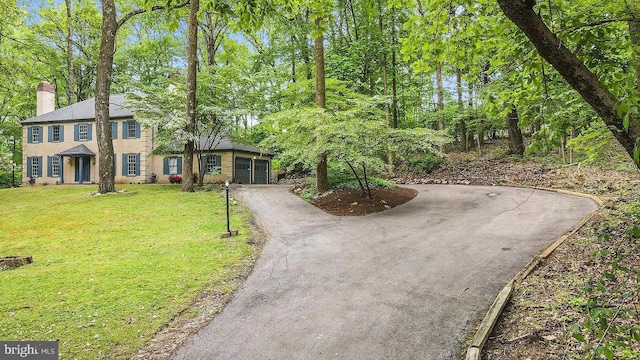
(548, 75)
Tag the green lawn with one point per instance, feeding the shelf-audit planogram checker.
(110, 270)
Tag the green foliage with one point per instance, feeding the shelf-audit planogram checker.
(228, 97)
(425, 163)
(352, 130)
(593, 143)
(133, 65)
(350, 183)
(308, 190)
(163, 107)
(506, 71)
(341, 178)
(275, 164)
(607, 332)
(10, 159)
(308, 193)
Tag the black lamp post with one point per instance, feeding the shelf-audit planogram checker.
(229, 232)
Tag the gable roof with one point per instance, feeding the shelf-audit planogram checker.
(220, 143)
(79, 150)
(83, 111)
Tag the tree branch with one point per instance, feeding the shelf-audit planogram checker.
(19, 41)
(133, 13)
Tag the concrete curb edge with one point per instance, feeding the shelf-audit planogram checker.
(495, 310)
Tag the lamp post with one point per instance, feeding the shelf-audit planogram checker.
(229, 232)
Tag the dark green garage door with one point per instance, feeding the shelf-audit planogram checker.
(261, 175)
(243, 170)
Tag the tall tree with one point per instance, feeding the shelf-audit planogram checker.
(383, 64)
(192, 69)
(322, 181)
(394, 70)
(104, 71)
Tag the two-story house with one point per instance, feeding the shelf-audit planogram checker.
(60, 147)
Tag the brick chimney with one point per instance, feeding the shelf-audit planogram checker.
(46, 96)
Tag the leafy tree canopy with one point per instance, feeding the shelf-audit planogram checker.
(352, 129)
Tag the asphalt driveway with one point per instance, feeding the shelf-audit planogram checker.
(407, 283)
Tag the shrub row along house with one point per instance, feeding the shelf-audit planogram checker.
(60, 147)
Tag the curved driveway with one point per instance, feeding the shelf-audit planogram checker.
(407, 283)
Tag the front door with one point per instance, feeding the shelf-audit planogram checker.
(83, 169)
(243, 170)
(261, 175)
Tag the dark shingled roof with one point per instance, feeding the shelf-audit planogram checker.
(224, 143)
(79, 150)
(83, 111)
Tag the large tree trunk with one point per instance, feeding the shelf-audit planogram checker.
(383, 62)
(516, 144)
(70, 74)
(394, 77)
(462, 123)
(103, 84)
(192, 69)
(572, 69)
(322, 180)
(440, 100)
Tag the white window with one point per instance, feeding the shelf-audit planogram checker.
(35, 166)
(131, 165)
(131, 130)
(173, 165)
(83, 132)
(55, 166)
(35, 134)
(55, 135)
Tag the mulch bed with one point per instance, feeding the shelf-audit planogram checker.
(352, 203)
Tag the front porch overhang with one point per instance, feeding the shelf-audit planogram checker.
(80, 150)
(76, 151)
